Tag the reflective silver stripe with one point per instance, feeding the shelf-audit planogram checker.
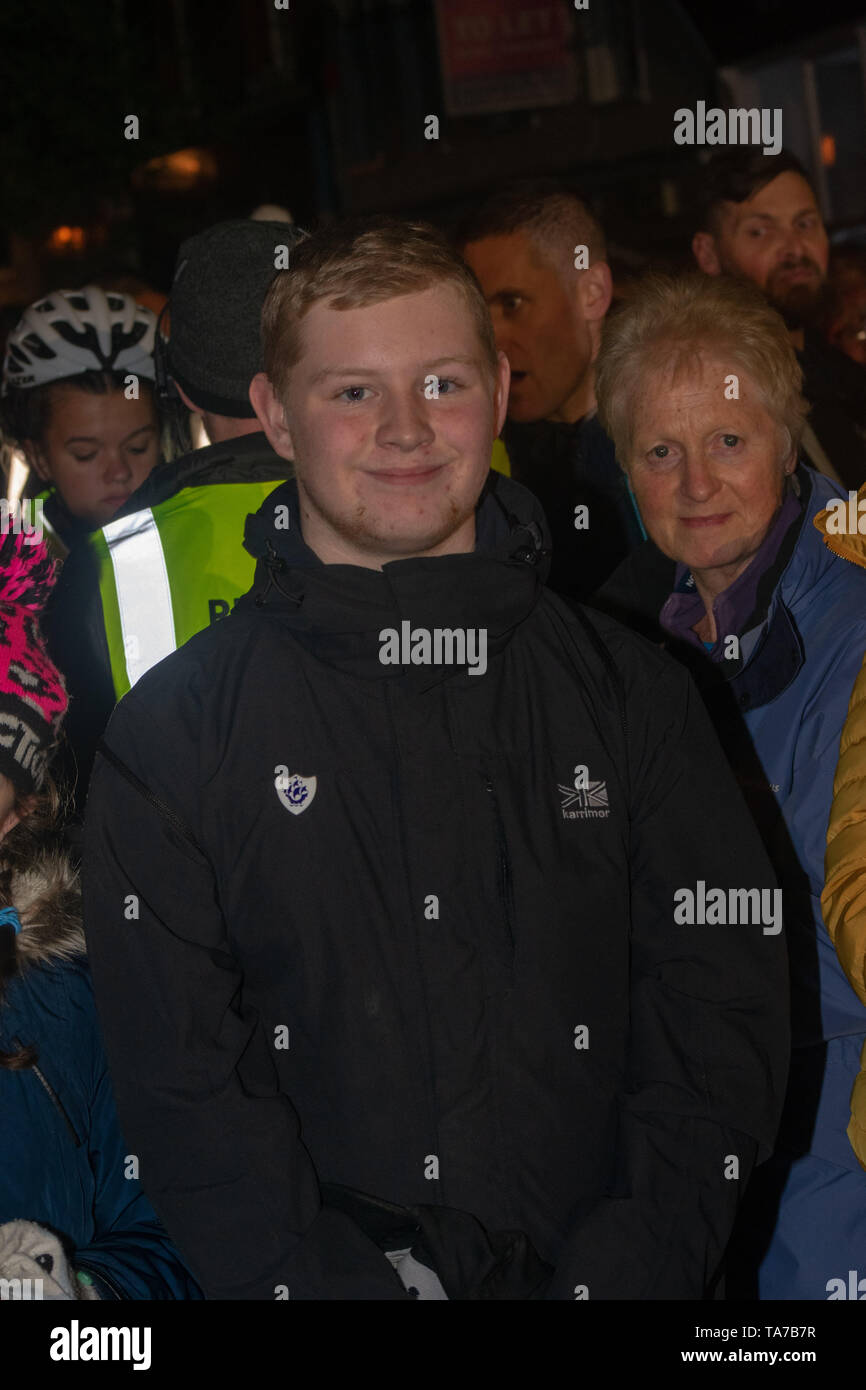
(143, 593)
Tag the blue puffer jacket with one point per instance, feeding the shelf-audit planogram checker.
(63, 1162)
(779, 712)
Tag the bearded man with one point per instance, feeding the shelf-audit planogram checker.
(760, 221)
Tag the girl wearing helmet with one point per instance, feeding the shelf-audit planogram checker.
(77, 398)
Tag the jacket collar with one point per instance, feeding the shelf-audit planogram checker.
(341, 610)
(739, 607)
(775, 650)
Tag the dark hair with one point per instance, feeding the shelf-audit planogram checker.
(25, 412)
(38, 829)
(550, 212)
(734, 175)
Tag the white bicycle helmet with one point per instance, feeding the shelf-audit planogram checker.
(74, 331)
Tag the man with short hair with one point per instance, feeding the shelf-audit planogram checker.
(380, 872)
(760, 221)
(539, 255)
(171, 561)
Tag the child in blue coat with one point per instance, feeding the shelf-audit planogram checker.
(74, 1221)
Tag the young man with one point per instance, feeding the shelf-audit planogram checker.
(380, 872)
(539, 255)
(760, 221)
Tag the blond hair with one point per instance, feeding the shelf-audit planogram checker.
(666, 322)
(354, 264)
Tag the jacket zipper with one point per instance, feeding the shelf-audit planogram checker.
(506, 885)
(837, 548)
(54, 1097)
(607, 661)
(58, 1104)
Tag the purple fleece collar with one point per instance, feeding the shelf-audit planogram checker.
(732, 608)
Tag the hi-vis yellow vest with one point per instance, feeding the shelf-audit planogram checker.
(499, 459)
(167, 572)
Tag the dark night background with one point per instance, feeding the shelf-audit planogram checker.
(745, 27)
(321, 108)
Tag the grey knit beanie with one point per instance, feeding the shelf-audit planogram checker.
(220, 282)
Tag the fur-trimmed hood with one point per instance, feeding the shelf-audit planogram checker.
(47, 898)
(63, 1157)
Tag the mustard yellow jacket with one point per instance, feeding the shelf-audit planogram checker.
(843, 902)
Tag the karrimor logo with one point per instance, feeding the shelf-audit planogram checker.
(737, 126)
(585, 799)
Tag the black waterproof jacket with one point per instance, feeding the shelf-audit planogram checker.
(568, 466)
(353, 923)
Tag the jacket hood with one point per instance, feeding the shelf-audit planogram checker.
(848, 543)
(47, 898)
(341, 610)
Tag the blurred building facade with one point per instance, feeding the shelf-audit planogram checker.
(409, 106)
(820, 86)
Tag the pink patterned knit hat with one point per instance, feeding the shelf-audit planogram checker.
(33, 697)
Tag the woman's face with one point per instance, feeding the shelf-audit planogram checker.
(96, 450)
(707, 472)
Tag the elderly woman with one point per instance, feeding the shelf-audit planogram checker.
(699, 387)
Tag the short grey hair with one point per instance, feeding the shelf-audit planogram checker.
(665, 321)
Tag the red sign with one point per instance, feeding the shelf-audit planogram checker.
(499, 55)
